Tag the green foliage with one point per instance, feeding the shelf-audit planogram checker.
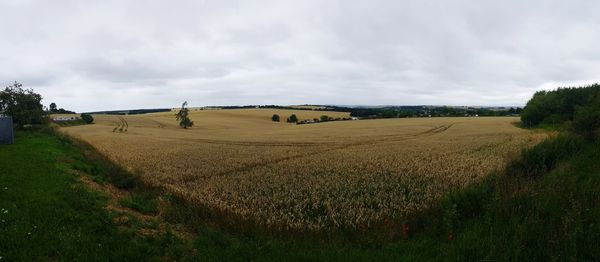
(324, 118)
(182, 116)
(55, 110)
(145, 202)
(545, 156)
(87, 118)
(558, 106)
(587, 120)
(275, 118)
(552, 216)
(23, 105)
(46, 214)
(292, 119)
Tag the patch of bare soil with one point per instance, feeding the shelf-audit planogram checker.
(150, 224)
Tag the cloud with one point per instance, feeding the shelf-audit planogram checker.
(128, 54)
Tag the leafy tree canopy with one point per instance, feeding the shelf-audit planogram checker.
(182, 116)
(23, 105)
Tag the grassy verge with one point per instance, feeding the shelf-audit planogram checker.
(46, 213)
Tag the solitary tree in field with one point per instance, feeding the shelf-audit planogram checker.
(87, 118)
(182, 116)
(292, 119)
(275, 118)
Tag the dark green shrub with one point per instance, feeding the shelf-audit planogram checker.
(587, 120)
(87, 118)
(292, 119)
(275, 118)
(545, 155)
(144, 202)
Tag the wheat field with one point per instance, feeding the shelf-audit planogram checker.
(342, 174)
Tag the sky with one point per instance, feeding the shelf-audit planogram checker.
(125, 54)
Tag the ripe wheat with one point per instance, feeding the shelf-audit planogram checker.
(345, 174)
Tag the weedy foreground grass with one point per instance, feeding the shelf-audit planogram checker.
(46, 213)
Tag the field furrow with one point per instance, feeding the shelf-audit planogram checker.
(348, 174)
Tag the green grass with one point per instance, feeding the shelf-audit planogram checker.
(543, 207)
(144, 202)
(47, 214)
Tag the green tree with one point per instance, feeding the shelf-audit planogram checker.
(182, 116)
(275, 118)
(292, 119)
(23, 105)
(87, 118)
(558, 106)
(53, 107)
(587, 120)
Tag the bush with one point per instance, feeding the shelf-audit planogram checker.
(87, 118)
(275, 118)
(324, 118)
(292, 119)
(545, 156)
(587, 120)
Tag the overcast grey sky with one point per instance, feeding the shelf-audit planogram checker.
(120, 54)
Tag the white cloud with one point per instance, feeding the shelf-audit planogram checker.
(128, 54)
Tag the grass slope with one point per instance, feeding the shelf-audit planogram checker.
(46, 213)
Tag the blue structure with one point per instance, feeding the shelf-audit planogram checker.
(6, 130)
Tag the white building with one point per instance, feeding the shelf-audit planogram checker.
(64, 118)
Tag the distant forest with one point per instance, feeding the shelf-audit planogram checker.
(401, 111)
(426, 111)
(363, 112)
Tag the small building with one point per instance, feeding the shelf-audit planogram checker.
(64, 118)
(6, 130)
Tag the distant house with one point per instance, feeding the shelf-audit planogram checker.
(64, 118)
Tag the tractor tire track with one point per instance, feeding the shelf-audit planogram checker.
(430, 132)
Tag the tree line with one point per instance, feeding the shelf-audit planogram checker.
(425, 111)
(576, 108)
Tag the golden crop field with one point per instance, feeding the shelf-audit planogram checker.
(343, 174)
